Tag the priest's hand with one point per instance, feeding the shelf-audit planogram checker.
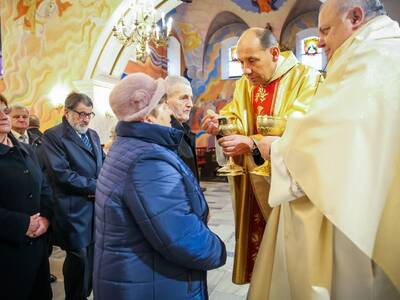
(234, 145)
(264, 146)
(210, 124)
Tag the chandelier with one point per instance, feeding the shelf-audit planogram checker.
(138, 26)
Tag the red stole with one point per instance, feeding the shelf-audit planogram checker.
(263, 100)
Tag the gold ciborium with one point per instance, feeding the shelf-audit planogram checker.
(230, 126)
(268, 126)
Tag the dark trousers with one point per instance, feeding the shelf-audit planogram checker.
(77, 270)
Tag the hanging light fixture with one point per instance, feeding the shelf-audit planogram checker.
(138, 26)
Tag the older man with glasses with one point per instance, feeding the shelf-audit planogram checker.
(73, 158)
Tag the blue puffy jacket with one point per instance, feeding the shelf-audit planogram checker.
(152, 240)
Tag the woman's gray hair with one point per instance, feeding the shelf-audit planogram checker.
(174, 81)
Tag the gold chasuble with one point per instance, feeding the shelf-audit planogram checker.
(289, 90)
(342, 240)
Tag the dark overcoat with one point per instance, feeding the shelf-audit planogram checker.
(23, 193)
(72, 170)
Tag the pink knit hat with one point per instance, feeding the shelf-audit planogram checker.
(135, 96)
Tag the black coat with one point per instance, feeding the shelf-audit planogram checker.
(23, 192)
(187, 146)
(34, 135)
(72, 170)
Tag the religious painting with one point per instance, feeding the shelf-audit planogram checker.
(34, 13)
(261, 6)
(311, 45)
(155, 65)
(311, 55)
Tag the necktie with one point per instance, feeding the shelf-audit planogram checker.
(23, 139)
(86, 141)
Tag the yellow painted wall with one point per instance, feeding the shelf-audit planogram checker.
(47, 43)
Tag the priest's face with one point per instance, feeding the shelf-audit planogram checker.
(335, 27)
(180, 100)
(258, 64)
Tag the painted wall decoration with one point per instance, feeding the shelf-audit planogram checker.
(193, 24)
(156, 64)
(260, 5)
(2, 87)
(45, 46)
(288, 37)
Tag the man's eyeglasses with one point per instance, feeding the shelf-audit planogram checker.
(83, 115)
(5, 110)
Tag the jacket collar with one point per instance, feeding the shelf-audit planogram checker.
(180, 126)
(70, 133)
(4, 149)
(151, 133)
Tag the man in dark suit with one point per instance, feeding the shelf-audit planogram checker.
(73, 159)
(180, 101)
(33, 130)
(20, 122)
(35, 139)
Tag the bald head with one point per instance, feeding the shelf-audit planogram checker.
(258, 52)
(264, 36)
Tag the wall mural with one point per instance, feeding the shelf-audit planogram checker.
(45, 45)
(203, 61)
(2, 86)
(260, 5)
(305, 21)
(214, 93)
(156, 64)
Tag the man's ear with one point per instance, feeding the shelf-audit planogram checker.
(356, 16)
(275, 52)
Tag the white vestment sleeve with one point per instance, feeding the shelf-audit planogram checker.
(283, 187)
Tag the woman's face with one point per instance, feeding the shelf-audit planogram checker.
(163, 115)
(5, 125)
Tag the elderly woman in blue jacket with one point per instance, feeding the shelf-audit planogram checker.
(152, 238)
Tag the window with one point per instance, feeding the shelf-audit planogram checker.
(307, 50)
(234, 66)
(230, 66)
(311, 55)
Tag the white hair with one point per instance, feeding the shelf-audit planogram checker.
(174, 81)
(372, 8)
(19, 106)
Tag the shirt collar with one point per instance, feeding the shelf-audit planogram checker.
(21, 137)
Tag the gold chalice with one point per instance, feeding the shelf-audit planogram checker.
(230, 126)
(268, 126)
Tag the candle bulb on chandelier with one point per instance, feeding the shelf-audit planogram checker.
(162, 20)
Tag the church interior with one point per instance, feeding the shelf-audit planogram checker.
(50, 48)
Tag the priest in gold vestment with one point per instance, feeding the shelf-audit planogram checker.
(274, 84)
(333, 233)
